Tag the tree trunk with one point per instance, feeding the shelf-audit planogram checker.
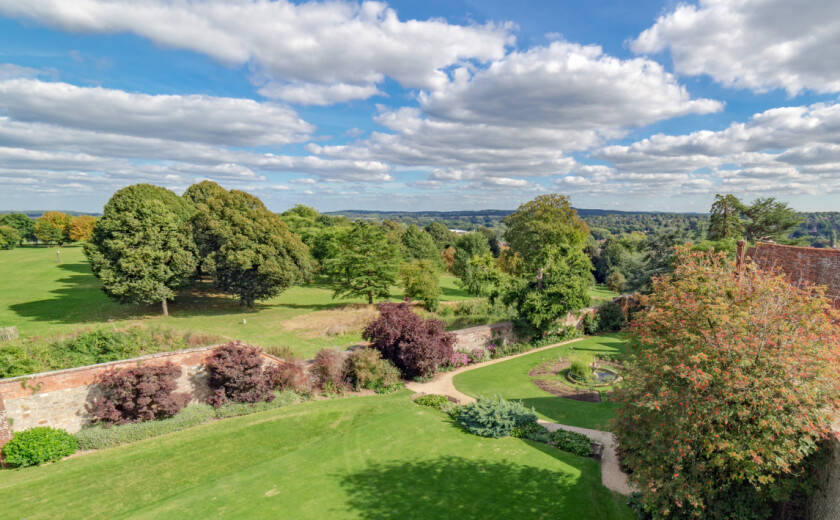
(539, 279)
(165, 307)
(370, 297)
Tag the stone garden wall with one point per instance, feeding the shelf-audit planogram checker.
(58, 398)
(483, 335)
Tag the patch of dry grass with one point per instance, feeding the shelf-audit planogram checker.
(347, 319)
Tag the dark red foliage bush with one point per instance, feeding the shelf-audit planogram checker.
(417, 346)
(290, 375)
(329, 369)
(139, 394)
(235, 372)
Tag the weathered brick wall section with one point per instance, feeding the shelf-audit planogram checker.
(5, 427)
(58, 398)
(483, 335)
(801, 264)
(825, 503)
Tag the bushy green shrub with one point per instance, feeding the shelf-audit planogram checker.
(580, 371)
(433, 400)
(471, 307)
(98, 437)
(367, 369)
(591, 324)
(572, 442)
(610, 317)
(15, 361)
(527, 431)
(494, 416)
(39, 445)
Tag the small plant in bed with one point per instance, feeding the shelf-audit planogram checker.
(572, 442)
(580, 372)
(433, 400)
(39, 445)
(494, 416)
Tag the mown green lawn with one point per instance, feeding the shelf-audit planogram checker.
(43, 298)
(510, 379)
(601, 293)
(360, 458)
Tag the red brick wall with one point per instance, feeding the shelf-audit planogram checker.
(801, 265)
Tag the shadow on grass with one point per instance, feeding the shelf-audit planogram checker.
(455, 487)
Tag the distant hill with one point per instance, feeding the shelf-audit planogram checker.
(35, 213)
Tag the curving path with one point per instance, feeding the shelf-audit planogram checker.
(611, 475)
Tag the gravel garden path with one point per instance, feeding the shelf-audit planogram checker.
(611, 475)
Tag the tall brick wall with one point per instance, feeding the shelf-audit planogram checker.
(825, 503)
(58, 398)
(801, 265)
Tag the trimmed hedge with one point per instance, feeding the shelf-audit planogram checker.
(39, 445)
(433, 400)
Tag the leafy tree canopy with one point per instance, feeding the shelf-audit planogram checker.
(732, 383)
(366, 264)
(142, 248)
(249, 250)
(419, 279)
(419, 245)
(24, 225)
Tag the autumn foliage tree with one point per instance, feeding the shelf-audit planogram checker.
(732, 384)
(80, 228)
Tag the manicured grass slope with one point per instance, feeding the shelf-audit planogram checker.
(376, 457)
(43, 298)
(510, 380)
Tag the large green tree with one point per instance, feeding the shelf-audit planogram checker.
(419, 245)
(769, 219)
(731, 385)
(441, 234)
(725, 221)
(9, 237)
(53, 227)
(366, 264)
(549, 238)
(247, 250)
(466, 247)
(142, 248)
(24, 225)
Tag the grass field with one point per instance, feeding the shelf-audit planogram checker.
(358, 458)
(43, 298)
(510, 380)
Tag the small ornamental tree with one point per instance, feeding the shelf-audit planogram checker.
(53, 227)
(235, 373)
(416, 346)
(138, 394)
(732, 383)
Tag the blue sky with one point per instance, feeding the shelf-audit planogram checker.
(436, 105)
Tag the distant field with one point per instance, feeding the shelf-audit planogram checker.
(357, 458)
(43, 298)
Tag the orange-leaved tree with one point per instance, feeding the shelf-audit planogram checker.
(733, 381)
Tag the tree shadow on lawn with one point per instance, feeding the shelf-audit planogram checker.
(455, 487)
